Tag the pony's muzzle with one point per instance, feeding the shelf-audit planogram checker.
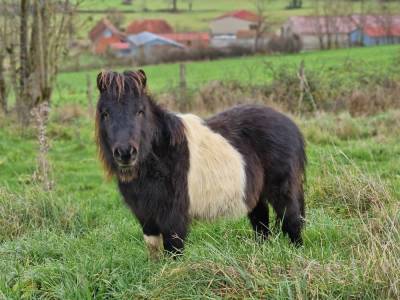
(125, 155)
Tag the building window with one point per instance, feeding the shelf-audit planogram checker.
(107, 33)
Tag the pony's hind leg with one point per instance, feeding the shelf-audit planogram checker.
(287, 203)
(259, 218)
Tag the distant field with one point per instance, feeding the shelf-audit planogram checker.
(203, 12)
(197, 20)
(344, 64)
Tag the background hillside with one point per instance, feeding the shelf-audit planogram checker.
(203, 11)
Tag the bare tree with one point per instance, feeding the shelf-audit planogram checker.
(173, 5)
(116, 17)
(331, 18)
(3, 88)
(261, 26)
(22, 99)
(190, 4)
(295, 4)
(144, 5)
(4, 38)
(360, 22)
(36, 48)
(385, 20)
(317, 23)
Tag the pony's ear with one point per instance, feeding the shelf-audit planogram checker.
(138, 78)
(143, 77)
(101, 78)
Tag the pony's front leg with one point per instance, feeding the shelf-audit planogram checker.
(174, 234)
(153, 239)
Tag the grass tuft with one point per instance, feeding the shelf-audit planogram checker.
(35, 209)
(348, 189)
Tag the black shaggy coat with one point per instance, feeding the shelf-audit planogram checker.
(156, 187)
(162, 182)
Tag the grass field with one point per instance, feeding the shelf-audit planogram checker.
(80, 241)
(343, 64)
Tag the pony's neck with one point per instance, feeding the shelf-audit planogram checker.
(169, 126)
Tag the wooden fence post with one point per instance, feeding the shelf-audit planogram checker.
(182, 76)
(304, 88)
(182, 96)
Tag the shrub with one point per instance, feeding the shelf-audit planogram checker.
(192, 54)
(280, 44)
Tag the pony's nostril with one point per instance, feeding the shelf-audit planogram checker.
(117, 153)
(125, 154)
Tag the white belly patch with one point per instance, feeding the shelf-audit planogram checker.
(216, 179)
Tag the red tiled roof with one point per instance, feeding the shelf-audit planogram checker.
(374, 25)
(187, 36)
(119, 46)
(242, 14)
(318, 25)
(377, 31)
(154, 26)
(99, 28)
(377, 20)
(377, 25)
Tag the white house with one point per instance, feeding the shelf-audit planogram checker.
(229, 24)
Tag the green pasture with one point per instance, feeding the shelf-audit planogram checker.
(80, 241)
(347, 66)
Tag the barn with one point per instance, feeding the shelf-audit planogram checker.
(376, 30)
(318, 32)
(343, 31)
(157, 26)
(103, 35)
(232, 22)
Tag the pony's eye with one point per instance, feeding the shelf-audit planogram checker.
(104, 115)
(140, 113)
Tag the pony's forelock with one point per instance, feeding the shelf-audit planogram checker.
(115, 84)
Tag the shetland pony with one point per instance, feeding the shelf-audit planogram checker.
(172, 168)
